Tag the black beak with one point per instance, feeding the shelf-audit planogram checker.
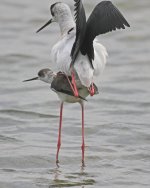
(49, 22)
(36, 78)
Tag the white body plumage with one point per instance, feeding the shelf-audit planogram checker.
(61, 51)
(60, 55)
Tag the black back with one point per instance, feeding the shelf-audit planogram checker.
(60, 84)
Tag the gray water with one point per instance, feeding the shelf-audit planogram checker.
(117, 121)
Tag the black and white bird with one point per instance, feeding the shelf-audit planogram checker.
(61, 84)
(78, 53)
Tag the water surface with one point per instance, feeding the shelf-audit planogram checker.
(117, 124)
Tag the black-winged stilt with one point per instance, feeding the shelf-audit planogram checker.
(78, 55)
(61, 84)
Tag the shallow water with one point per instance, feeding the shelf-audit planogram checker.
(117, 125)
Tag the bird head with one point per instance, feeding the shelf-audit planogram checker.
(45, 75)
(61, 14)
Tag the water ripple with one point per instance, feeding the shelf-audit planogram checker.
(117, 128)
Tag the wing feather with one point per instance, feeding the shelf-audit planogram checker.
(80, 19)
(104, 18)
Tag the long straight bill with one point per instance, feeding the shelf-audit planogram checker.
(49, 22)
(36, 78)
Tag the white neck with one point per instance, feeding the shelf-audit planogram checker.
(47, 79)
(66, 22)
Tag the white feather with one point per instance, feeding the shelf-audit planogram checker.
(61, 56)
(61, 51)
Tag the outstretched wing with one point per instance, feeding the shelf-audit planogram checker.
(104, 18)
(80, 19)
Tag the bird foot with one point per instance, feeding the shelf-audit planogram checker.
(83, 163)
(91, 89)
(57, 163)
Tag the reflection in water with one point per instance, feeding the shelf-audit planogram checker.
(66, 179)
(57, 172)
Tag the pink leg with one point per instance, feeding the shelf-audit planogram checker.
(83, 144)
(59, 135)
(91, 89)
(76, 94)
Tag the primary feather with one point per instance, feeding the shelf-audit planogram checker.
(80, 19)
(104, 18)
(78, 49)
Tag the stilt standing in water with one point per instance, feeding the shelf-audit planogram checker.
(61, 84)
(78, 55)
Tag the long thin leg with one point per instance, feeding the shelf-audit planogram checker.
(70, 85)
(73, 85)
(83, 143)
(59, 134)
(76, 94)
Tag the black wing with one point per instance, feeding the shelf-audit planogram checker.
(61, 84)
(104, 18)
(80, 19)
